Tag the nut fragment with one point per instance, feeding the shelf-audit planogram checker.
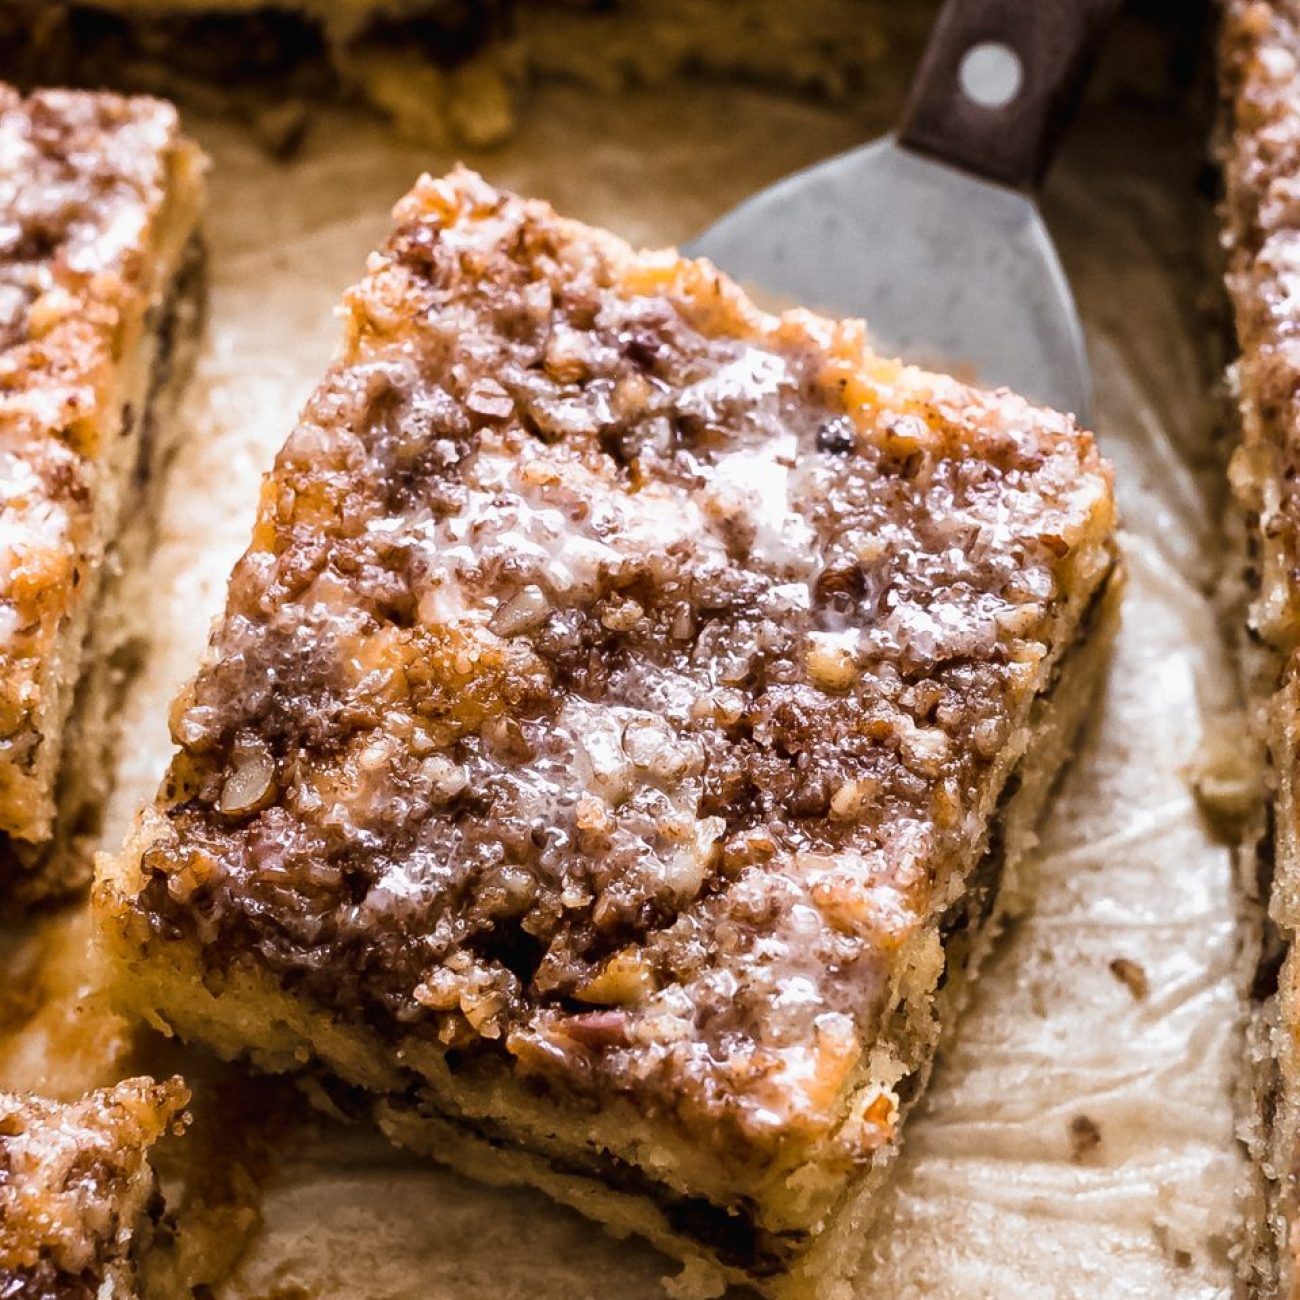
(654, 748)
(250, 783)
(989, 735)
(488, 399)
(850, 799)
(526, 609)
(446, 779)
(439, 990)
(1019, 620)
(191, 875)
(622, 615)
(483, 1011)
(568, 355)
(598, 1030)
(924, 749)
(625, 980)
(830, 662)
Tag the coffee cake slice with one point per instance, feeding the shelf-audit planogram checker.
(618, 732)
(79, 1203)
(99, 196)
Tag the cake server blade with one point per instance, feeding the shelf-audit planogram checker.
(933, 235)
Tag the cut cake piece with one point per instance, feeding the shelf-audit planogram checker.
(431, 64)
(442, 68)
(79, 1203)
(99, 197)
(618, 732)
(1260, 148)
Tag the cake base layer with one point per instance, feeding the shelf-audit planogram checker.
(33, 873)
(242, 1013)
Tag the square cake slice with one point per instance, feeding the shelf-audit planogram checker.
(78, 1200)
(618, 732)
(99, 196)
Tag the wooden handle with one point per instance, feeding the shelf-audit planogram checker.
(1054, 42)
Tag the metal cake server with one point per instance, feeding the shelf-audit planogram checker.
(933, 235)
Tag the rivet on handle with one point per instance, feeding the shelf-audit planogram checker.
(991, 74)
(997, 82)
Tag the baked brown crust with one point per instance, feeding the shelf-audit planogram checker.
(76, 1189)
(620, 683)
(98, 197)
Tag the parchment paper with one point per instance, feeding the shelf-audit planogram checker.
(1078, 1138)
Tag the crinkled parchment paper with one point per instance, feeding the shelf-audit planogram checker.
(1077, 1139)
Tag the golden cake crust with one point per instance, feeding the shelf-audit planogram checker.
(75, 1186)
(96, 192)
(619, 677)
